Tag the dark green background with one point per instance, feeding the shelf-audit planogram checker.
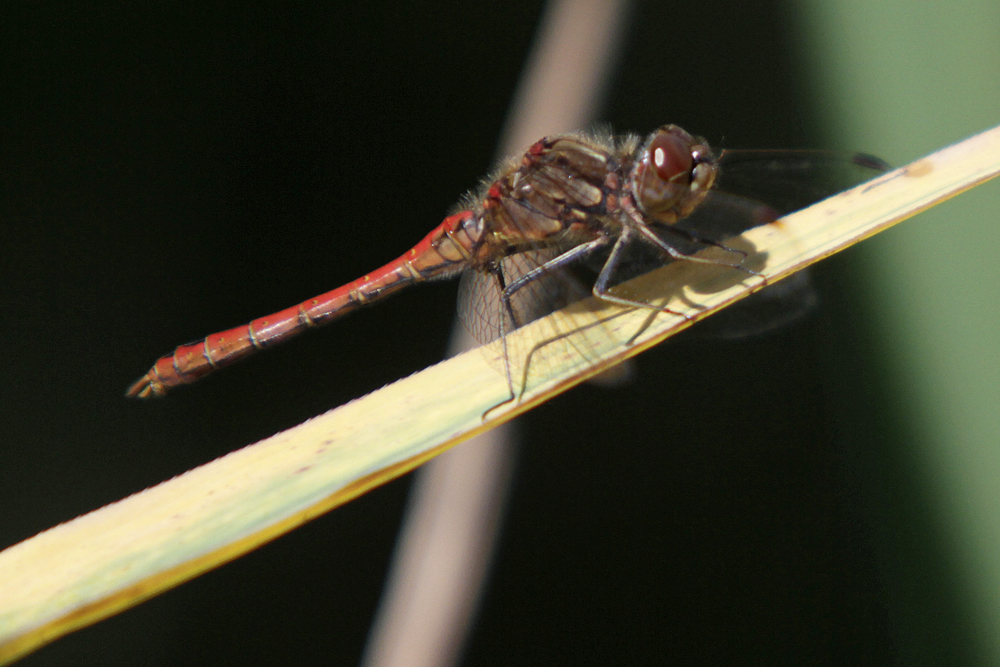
(170, 170)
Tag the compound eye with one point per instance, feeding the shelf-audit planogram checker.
(670, 154)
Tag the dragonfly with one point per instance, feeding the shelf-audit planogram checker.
(570, 200)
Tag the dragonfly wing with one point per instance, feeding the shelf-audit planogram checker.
(756, 188)
(573, 336)
(788, 180)
(479, 295)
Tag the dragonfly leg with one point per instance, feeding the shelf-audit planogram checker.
(498, 274)
(573, 254)
(722, 246)
(649, 235)
(601, 288)
(691, 236)
(507, 293)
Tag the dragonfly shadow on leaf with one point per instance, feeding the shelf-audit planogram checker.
(587, 329)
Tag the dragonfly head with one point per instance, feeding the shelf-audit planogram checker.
(673, 173)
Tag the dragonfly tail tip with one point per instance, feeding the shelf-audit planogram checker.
(142, 389)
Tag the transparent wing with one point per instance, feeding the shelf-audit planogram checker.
(479, 295)
(574, 336)
(756, 188)
(788, 180)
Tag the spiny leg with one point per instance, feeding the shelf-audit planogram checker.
(650, 236)
(507, 293)
(572, 255)
(604, 277)
(507, 309)
(695, 238)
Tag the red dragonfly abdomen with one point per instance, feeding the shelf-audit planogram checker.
(446, 251)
